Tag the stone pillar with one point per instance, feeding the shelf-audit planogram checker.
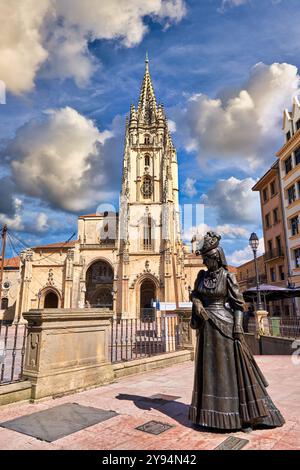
(262, 322)
(69, 268)
(67, 350)
(22, 304)
(169, 325)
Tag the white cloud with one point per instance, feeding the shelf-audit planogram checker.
(171, 126)
(232, 232)
(41, 224)
(60, 30)
(234, 201)
(189, 188)
(238, 129)
(123, 19)
(239, 257)
(238, 3)
(69, 56)
(21, 48)
(60, 160)
(233, 3)
(13, 221)
(227, 232)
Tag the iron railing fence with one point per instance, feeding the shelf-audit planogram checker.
(251, 326)
(278, 326)
(137, 338)
(285, 327)
(12, 352)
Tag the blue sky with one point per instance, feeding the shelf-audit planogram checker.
(223, 70)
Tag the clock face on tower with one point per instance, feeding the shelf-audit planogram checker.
(147, 187)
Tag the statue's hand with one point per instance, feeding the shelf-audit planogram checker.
(238, 336)
(199, 309)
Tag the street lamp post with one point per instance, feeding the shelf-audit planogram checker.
(254, 242)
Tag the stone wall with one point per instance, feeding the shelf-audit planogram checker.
(270, 345)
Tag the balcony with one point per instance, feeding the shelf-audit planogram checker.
(273, 254)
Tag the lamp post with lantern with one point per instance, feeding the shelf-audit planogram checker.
(261, 314)
(254, 243)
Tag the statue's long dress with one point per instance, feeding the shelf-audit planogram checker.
(229, 388)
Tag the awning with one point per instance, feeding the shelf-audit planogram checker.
(271, 292)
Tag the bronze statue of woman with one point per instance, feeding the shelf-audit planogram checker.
(229, 388)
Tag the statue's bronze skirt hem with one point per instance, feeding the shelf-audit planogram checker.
(229, 388)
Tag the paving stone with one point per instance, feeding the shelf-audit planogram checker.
(174, 381)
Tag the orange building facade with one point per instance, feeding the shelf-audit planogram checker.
(273, 227)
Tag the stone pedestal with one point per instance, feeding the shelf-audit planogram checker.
(262, 322)
(188, 336)
(67, 350)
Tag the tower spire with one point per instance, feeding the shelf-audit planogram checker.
(147, 107)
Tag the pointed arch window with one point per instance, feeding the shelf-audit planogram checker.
(147, 160)
(147, 187)
(4, 303)
(147, 234)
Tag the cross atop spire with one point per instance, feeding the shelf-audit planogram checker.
(147, 102)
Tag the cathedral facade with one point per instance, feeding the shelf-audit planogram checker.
(123, 261)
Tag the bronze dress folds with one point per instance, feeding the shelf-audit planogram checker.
(229, 388)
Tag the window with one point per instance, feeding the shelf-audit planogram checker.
(288, 164)
(281, 273)
(265, 194)
(147, 233)
(298, 124)
(278, 245)
(273, 188)
(298, 184)
(273, 274)
(295, 225)
(297, 156)
(267, 219)
(147, 160)
(275, 216)
(270, 248)
(147, 187)
(291, 194)
(147, 139)
(297, 257)
(288, 136)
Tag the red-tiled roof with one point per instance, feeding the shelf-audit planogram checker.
(232, 269)
(100, 214)
(12, 262)
(57, 245)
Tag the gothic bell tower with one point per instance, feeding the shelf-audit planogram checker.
(150, 246)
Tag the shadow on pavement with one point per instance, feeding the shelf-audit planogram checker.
(173, 409)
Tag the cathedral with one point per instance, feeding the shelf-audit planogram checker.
(123, 261)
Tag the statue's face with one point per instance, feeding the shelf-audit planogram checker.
(211, 262)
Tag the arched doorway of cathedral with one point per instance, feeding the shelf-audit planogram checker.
(147, 296)
(51, 299)
(99, 285)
